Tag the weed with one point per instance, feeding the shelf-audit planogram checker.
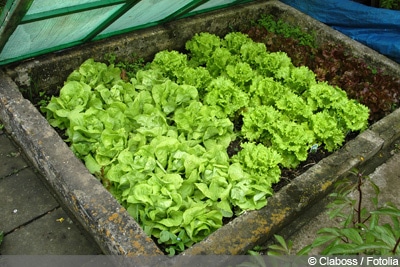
(360, 231)
(128, 68)
(44, 99)
(390, 4)
(177, 242)
(288, 31)
(34, 93)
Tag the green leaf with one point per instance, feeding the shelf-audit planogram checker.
(91, 164)
(175, 220)
(304, 251)
(300, 79)
(199, 77)
(141, 194)
(385, 233)
(353, 235)
(170, 63)
(390, 211)
(322, 239)
(235, 40)
(282, 242)
(330, 231)
(224, 94)
(373, 246)
(169, 95)
(342, 249)
(225, 208)
(165, 236)
(260, 162)
(241, 74)
(191, 213)
(202, 45)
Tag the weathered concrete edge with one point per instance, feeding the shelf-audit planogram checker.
(388, 128)
(86, 198)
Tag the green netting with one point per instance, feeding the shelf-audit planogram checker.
(51, 5)
(145, 12)
(212, 4)
(33, 27)
(45, 34)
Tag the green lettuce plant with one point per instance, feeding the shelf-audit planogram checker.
(158, 139)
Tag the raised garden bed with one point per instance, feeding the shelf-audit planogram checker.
(100, 214)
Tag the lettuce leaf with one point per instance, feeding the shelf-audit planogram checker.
(74, 98)
(202, 46)
(234, 41)
(261, 162)
(327, 130)
(202, 123)
(95, 73)
(169, 95)
(199, 77)
(223, 93)
(169, 63)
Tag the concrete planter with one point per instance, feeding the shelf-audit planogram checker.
(94, 207)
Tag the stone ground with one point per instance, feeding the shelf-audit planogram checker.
(32, 220)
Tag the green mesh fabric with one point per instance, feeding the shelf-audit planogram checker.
(213, 4)
(49, 5)
(146, 11)
(33, 27)
(53, 33)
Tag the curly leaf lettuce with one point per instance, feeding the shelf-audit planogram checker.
(169, 63)
(255, 170)
(202, 46)
(223, 93)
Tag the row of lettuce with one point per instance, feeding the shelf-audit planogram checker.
(159, 141)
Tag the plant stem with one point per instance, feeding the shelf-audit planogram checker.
(396, 246)
(359, 176)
